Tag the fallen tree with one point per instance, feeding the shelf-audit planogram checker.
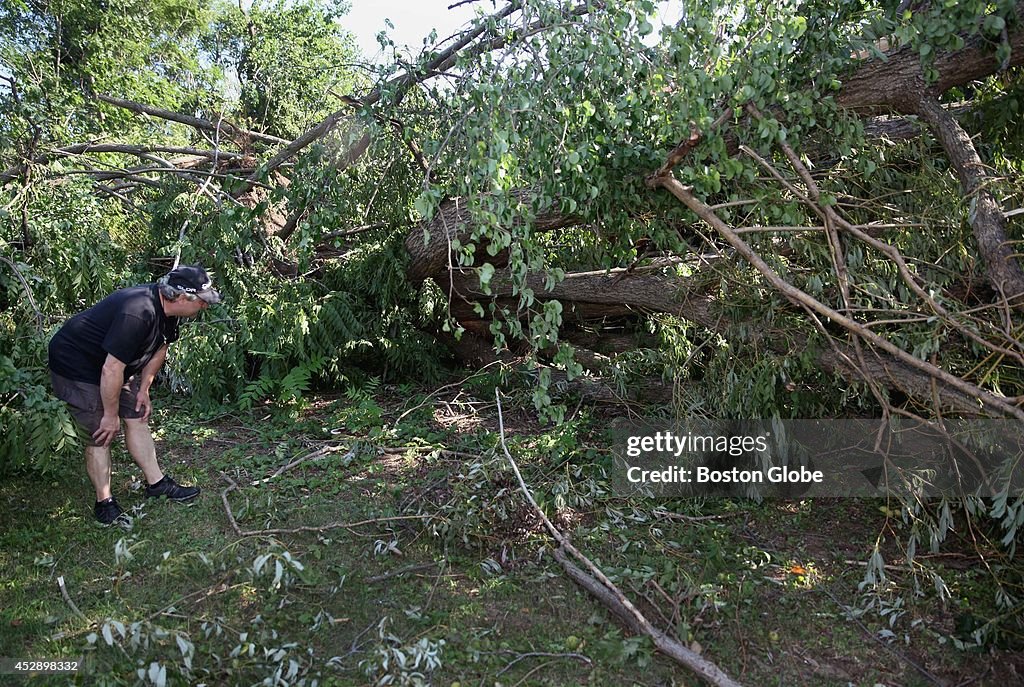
(894, 82)
(534, 157)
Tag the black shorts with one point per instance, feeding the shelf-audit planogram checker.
(86, 404)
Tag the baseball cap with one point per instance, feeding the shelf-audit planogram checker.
(192, 279)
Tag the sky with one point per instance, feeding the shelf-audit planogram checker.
(413, 20)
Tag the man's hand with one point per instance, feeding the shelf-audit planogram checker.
(109, 425)
(142, 402)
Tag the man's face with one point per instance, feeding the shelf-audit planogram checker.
(182, 307)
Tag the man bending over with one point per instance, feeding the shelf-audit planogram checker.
(102, 364)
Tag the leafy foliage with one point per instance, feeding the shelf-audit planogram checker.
(288, 58)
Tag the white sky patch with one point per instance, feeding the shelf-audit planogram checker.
(414, 19)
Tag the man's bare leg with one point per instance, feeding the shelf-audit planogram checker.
(139, 441)
(97, 466)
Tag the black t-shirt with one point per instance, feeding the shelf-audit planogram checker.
(129, 324)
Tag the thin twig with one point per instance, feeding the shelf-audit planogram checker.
(333, 526)
(311, 528)
(399, 572)
(67, 599)
(217, 587)
(441, 451)
(28, 291)
(437, 581)
(695, 518)
(233, 485)
(542, 654)
(443, 388)
(315, 455)
(352, 232)
(916, 666)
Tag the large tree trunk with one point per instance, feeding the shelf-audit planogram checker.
(618, 292)
(429, 245)
(897, 83)
(986, 216)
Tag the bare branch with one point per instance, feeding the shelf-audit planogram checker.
(134, 173)
(125, 200)
(985, 399)
(833, 218)
(28, 291)
(67, 599)
(194, 122)
(144, 152)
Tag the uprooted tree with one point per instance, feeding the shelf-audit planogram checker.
(753, 201)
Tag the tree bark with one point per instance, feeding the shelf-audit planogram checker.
(986, 217)
(897, 83)
(894, 375)
(429, 255)
(650, 293)
(614, 293)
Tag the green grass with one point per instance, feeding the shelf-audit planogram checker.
(764, 589)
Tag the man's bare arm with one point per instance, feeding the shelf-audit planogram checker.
(148, 373)
(146, 378)
(111, 381)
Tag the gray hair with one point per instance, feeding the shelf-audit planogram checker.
(173, 293)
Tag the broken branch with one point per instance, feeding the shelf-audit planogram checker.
(605, 590)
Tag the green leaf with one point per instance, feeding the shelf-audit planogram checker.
(485, 272)
(994, 23)
(424, 204)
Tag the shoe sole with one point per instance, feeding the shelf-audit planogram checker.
(122, 520)
(185, 500)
